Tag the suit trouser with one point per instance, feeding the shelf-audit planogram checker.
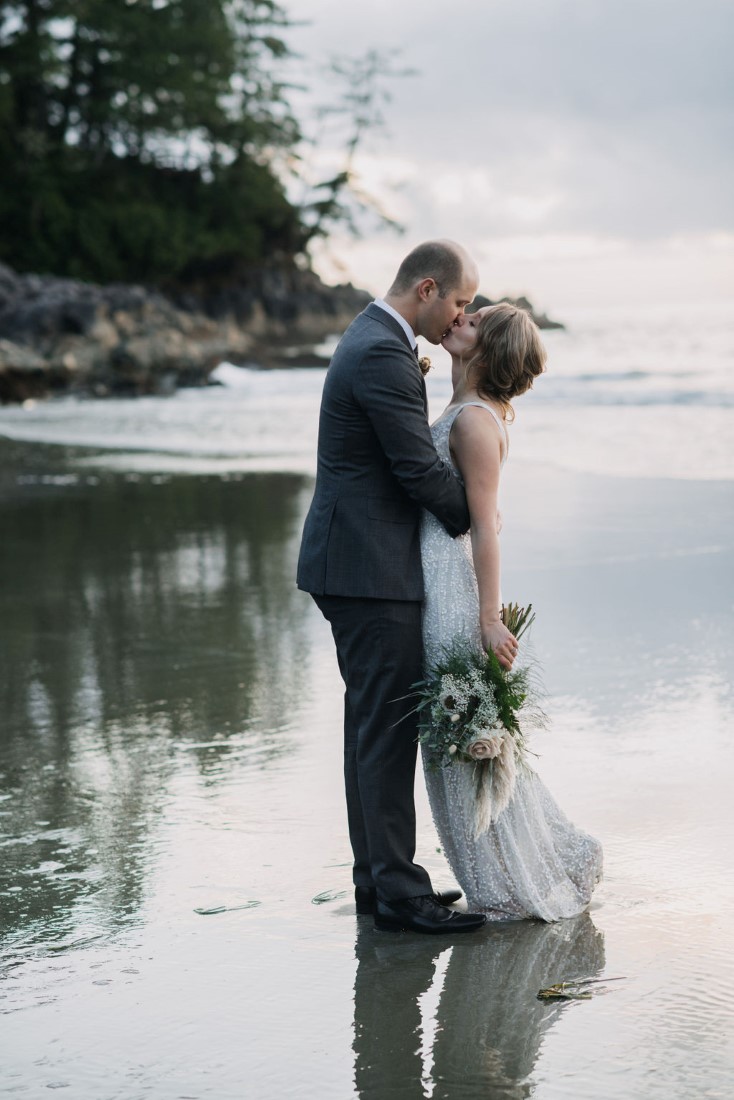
(379, 646)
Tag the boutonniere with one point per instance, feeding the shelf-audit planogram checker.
(425, 364)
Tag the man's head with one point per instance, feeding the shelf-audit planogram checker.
(434, 283)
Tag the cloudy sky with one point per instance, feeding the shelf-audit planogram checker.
(582, 149)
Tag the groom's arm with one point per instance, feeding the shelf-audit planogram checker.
(389, 389)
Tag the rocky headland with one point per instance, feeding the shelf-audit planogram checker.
(65, 336)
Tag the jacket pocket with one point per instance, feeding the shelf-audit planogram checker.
(389, 511)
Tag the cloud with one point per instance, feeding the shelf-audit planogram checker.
(621, 112)
(562, 120)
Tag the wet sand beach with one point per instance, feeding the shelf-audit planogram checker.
(175, 885)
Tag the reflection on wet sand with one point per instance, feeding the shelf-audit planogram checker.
(169, 730)
(145, 618)
(461, 1020)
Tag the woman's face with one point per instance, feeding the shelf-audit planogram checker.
(462, 336)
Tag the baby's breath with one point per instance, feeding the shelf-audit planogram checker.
(470, 708)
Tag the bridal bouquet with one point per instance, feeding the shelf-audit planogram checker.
(470, 711)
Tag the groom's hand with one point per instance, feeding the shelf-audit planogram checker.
(497, 637)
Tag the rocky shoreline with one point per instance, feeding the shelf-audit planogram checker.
(65, 336)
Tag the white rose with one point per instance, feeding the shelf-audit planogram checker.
(485, 748)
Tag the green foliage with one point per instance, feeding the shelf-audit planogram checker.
(130, 220)
(137, 137)
(468, 695)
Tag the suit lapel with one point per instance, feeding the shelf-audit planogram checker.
(376, 314)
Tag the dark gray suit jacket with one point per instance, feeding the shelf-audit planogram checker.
(377, 467)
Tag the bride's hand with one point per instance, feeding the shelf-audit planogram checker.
(497, 637)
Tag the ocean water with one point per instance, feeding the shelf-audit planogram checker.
(644, 392)
(175, 898)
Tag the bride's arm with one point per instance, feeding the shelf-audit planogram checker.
(476, 446)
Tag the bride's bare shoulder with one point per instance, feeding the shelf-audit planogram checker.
(477, 425)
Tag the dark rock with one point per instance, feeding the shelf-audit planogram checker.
(24, 374)
(13, 357)
(8, 282)
(541, 319)
(277, 302)
(63, 334)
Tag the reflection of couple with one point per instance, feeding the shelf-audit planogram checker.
(389, 528)
(463, 1019)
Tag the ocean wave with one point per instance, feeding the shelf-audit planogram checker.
(615, 376)
(561, 394)
(633, 375)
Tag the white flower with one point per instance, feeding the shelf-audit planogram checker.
(485, 748)
(486, 715)
(453, 695)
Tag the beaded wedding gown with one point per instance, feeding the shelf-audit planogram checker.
(532, 862)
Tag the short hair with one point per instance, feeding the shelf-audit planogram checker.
(508, 355)
(435, 260)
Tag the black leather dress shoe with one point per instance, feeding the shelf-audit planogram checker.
(366, 896)
(423, 914)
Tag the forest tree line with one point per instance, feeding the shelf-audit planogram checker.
(143, 140)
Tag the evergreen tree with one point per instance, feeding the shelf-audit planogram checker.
(137, 137)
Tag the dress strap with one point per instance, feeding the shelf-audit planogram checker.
(500, 423)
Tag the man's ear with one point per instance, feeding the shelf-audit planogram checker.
(426, 288)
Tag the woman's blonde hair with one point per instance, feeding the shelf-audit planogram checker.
(508, 355)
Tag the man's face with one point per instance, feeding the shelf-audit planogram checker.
(437, 315)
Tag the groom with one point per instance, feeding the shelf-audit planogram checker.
(360, 560)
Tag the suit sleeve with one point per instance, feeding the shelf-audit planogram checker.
(389, 388)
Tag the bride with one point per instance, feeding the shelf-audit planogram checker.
(531, 861)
